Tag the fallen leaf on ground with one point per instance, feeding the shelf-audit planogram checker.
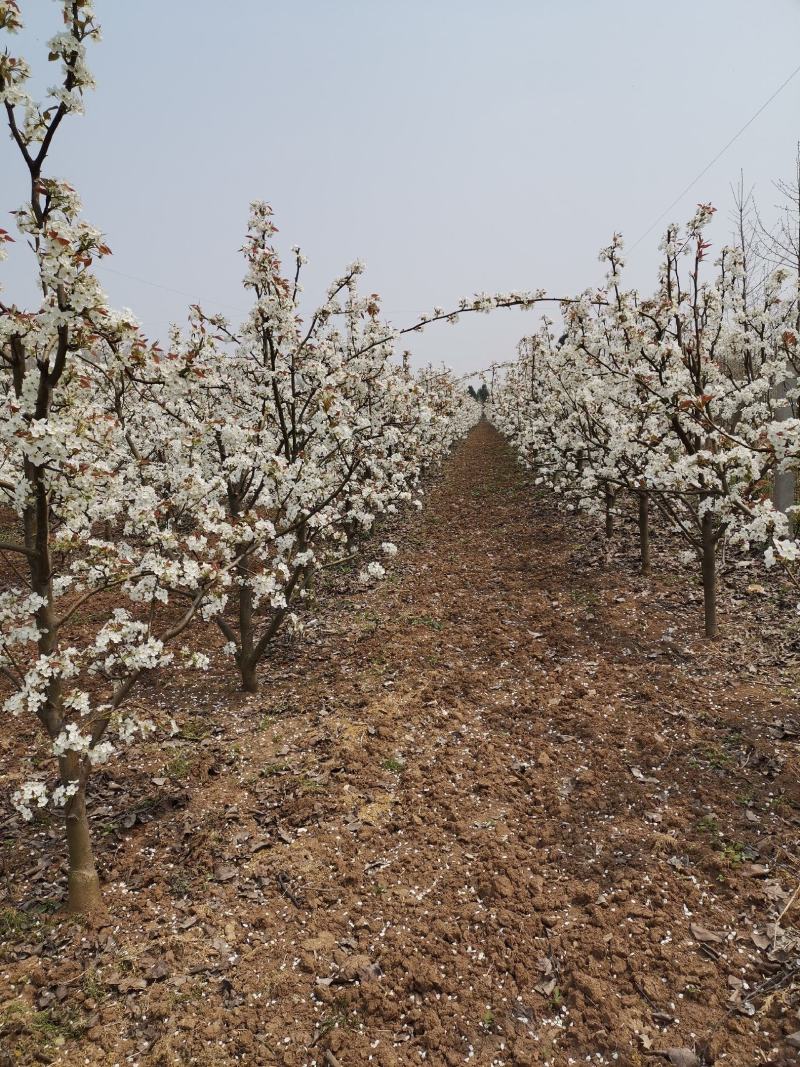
(700, 933)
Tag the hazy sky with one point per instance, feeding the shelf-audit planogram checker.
(453, 145)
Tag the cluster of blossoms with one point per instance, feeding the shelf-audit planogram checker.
(684, 399)
(145, 491)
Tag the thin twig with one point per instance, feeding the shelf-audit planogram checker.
(791, 901)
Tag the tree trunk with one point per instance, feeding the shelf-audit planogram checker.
(609, 513)
(309, 580)
(644, 532)
(247, 670)
(709, 567)
(84, 885)
(247, 658)
(783, 491)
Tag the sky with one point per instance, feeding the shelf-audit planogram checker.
(454, 146)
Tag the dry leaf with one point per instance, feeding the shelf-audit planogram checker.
(700, 933)
(681, 1057)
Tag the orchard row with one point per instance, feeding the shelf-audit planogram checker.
(683, 400)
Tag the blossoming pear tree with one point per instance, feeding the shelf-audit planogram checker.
(304, 433)
(93, 551)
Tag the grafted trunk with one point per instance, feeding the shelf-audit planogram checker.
(709, 569)
(83, 896)
(644, 532)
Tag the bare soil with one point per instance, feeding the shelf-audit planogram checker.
(506, 808)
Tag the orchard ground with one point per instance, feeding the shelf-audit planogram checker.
(507, 807)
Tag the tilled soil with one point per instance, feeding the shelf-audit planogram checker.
(504, 809)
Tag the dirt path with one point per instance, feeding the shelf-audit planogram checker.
(498, 810)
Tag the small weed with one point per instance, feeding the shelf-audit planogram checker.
(52, 1024)
(271, 770)
(370, 623)
(179, 883)
(708, 825)
(47, 1027)
(179, 767)
(14, 922)
(586, 596)
(733, 853)
(91, 986)
(716, 758)
(196, 729)
(426, 620)
(557, 999)
(310, 788)
(341, 1016)
(393, 764)
(487, 1019)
